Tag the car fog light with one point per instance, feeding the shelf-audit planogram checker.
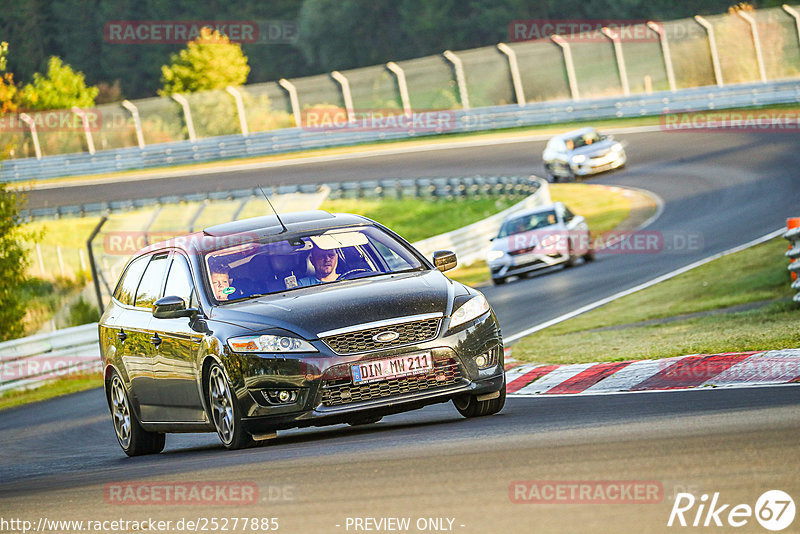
(486, 360)
(280, 396)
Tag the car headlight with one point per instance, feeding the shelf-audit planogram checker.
(472, 309)
(616, 147)
(580, 158)
(269, 343)
(494, 255)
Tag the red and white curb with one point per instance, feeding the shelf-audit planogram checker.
(739, 369)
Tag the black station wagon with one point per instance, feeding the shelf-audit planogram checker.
(264, 324)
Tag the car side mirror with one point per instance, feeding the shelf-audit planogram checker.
(444, 260)
(172, 307)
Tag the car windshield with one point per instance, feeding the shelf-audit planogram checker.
(529, 222)
(259, 268)
(583, 140)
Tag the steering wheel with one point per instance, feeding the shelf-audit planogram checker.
(346, 275)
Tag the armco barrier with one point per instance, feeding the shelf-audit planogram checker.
(463, 121)
(451, 186)
(793, 236)
(51, 355)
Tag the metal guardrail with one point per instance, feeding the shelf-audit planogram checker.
(459, 186)
(459, 121)
(793, 236)
(29, 360)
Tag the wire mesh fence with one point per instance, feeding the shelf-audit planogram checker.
(431, 83)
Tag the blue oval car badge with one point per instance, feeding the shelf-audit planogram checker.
(385, 337)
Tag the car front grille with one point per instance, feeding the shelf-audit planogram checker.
(340, 392)
(363, 340)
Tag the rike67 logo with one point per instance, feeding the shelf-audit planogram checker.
(774, 510)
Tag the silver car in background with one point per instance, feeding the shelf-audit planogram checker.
(581, 153)
(538, 238)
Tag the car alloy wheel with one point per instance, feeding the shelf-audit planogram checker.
(133, 439)
(224, 411)
(120, 412)
(221, 404)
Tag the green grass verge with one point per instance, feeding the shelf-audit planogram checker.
(754, 276)
(56, 388)
(416, 219)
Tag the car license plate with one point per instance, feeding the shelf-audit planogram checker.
(407, 365)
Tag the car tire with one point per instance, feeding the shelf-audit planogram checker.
(499, 281)
(589, 256)
(469, 406)
(224, 410)
(133, 439)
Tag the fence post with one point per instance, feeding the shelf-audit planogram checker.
(93, 265)
(402, 86)
(712, 44)
(237, 96)
(460, 80)
(513, 66)
(796, 16)
(347, 97)
(137, 123)
(86, 130)
(41, 261)
(187, 113)
(573, 82)
(24, 117)
(293, 100)
(623, 72)
(662, 37)
(756, 44)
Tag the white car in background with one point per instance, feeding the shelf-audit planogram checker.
(581, 153)
(538, 238)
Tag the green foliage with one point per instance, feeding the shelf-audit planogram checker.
(13, 262)
(62, 88)
(82, 312)
(209, 62)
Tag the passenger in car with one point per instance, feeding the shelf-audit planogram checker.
(220, 281)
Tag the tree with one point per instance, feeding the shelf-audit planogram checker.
(62, 88)
(209, 62)
(13, 258)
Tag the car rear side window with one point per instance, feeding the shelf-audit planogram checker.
(126, 288)
(150, 286)
(179, 281)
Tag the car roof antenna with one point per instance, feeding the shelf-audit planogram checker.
(274, 210)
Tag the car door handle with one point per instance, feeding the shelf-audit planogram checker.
(121, 335)
(155, 340)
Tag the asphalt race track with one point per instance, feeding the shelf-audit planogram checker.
(722, 189)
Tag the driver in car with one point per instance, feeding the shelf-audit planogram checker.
(325, 263)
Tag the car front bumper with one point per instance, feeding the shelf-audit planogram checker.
(327, 395)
